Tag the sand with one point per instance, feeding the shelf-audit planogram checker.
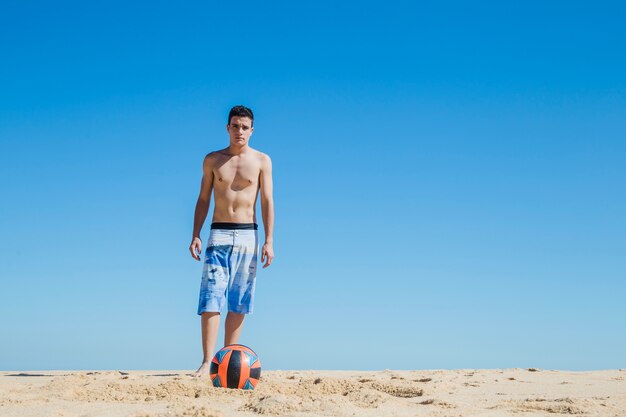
(475, 392)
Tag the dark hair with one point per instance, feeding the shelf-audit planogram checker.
(240, 111)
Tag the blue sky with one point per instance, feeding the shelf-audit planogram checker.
(449, 181)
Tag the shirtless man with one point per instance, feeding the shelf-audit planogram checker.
(235, 175)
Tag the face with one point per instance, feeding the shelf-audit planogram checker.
(239, 129)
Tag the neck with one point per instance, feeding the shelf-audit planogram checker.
(237, 150)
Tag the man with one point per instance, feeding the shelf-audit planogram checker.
(235, 175)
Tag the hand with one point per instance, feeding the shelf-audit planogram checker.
(195, 248)
(267, 254)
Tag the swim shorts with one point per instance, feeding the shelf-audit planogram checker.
(229, 271)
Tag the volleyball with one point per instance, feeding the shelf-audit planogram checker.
(235, 366)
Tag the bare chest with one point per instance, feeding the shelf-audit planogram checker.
(237, 174)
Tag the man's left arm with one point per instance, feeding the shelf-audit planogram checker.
(267, 210)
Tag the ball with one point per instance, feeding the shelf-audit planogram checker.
(235, 366)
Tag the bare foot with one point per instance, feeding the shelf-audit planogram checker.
(202, 370)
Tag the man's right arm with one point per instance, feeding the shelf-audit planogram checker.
(202, 207)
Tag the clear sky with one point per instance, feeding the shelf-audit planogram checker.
(449, 181)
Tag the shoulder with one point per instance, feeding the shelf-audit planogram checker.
(265, 162)
(210, 160)
(214, 156)
(263, 158)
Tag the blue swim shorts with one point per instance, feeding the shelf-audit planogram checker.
(229, 271)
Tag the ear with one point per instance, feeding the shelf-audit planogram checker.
(227, 126)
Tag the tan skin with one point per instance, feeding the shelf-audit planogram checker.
(234, 175)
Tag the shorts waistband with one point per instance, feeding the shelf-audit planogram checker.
(235, 226)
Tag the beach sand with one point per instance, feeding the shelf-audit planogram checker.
(469, 392)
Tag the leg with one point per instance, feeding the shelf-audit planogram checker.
(212, 295)
(233, 325)
(210, 323)
(241, 291)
